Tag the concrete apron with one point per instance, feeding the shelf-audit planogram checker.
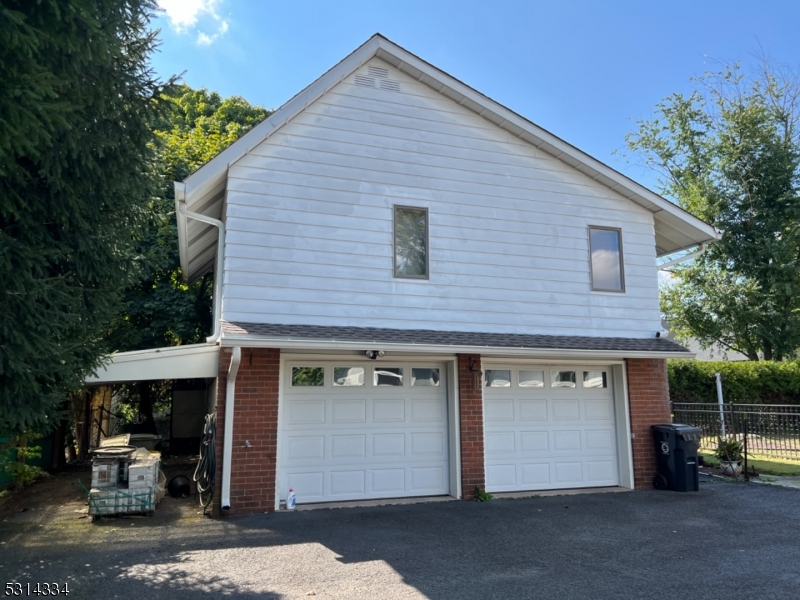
(420, 499)
(780, 480)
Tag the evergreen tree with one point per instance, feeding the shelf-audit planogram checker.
(77, 105)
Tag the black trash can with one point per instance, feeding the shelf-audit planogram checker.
(676, 457)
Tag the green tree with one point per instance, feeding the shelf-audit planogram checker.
(729, 153)
(77, 105)
(159, 308)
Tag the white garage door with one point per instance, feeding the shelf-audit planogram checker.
(355, 430)
(549, 427)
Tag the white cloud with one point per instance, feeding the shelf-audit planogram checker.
(203, 39)
(187, 15)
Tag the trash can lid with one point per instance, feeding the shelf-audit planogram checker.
(665, 427)
(687, 433)
(677, 427)
(684, 429)
(112, 451)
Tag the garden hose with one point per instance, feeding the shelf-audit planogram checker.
(206, 472)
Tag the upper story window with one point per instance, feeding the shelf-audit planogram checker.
(410, 242)
(605, 248)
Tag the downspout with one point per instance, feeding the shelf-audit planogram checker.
(227, 440)
(180, 205)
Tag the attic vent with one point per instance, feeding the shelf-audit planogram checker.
(378, 71)
(388, 84)
(365, 81)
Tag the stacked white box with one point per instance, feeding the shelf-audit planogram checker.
(141, 500)
(102, 501)
(142, 474)
(140, 471)
(104, 473)
(122, 501)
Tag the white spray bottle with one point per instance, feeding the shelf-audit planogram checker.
(291, 500)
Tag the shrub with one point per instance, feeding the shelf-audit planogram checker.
(14, 455)
(744, 382)
(728, 450)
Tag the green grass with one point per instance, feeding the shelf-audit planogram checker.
(768, 466)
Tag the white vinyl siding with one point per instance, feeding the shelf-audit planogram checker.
(309, 216)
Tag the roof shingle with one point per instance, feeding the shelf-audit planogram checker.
(452, 338)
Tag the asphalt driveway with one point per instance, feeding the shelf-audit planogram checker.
(727, 541)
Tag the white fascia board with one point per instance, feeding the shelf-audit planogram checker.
(173, 362)
(283, 343)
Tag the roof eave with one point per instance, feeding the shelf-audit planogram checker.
(296, 343)
(518, 125)
(214, 172)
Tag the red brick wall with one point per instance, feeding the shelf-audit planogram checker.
(255, 419)
(648, 392)
(471, 417)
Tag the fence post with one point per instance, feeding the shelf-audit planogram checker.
(721, 403)
(746, 475)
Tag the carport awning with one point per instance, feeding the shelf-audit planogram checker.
(175, 362)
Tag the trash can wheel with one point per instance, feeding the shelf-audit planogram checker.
(660, 482)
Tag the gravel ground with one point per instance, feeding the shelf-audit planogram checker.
(728, 540)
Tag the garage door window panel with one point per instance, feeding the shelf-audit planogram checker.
(595, 379)
(498, 378)
(531, 379)
(387, 376)
(421, 377)
(308, 376)
(348, 376)
(563, 379)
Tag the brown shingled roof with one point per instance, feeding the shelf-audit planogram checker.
(452, 338)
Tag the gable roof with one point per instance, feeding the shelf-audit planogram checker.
(204, 190)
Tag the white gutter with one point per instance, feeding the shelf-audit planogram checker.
(180, 205)
(306, 344)
(701, 250)
(227, 441)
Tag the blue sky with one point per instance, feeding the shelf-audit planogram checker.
(585, 70)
